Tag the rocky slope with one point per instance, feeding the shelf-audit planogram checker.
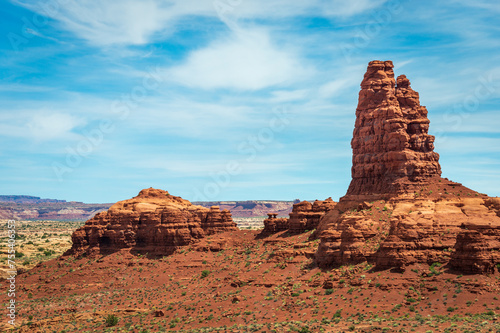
(153, 222)
(398, 210)
(233, 282)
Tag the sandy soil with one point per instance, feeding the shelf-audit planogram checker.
(238, 282)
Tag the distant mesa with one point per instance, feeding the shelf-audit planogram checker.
(153, 222)
(25, 207)
(27, 199)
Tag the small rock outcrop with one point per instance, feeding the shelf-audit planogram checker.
(304, 216)
(153, 222)
(274, 224)
(398, 210)
(477, 249)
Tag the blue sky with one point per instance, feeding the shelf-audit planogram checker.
(232, 99)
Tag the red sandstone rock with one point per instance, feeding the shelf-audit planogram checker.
(304, 216)
(398, 210)
(274, 224)
(477, 249)
(154, 222)
(390, 143)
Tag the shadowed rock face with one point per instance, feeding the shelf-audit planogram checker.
(398, 210)
(391, 145)
(154, 222)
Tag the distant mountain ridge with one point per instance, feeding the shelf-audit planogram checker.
(252, 208)
(26, 199)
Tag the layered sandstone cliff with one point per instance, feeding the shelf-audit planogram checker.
(153, 222)
(398, 210)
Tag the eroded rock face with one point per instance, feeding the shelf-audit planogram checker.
(274, 224)
(304, 216)
(154, 222)
(477, 249)
(398, 210)
(391, 145)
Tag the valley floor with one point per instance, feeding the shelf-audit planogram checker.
(240, 282)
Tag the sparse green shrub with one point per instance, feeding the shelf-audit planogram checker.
(396, 307)
(174, 322)
(433, 270)
(337, 314)
(111, 320)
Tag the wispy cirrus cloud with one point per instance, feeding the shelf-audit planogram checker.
(130, 22)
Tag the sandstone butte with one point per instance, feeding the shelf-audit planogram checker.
(398, 210)
(153, 222)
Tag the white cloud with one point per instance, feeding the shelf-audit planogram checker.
(483, 4)
(285, 8)
(38, 34)
(335, 87)
(109, 22)
(281, 96)
(244, 61)
(349, 8)
(45, 126)
(132, 22)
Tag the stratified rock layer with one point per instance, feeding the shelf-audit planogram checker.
(391, 145)
(478, 244)
(304, 216)
(274, 224)
(398, 210)
(154, 222)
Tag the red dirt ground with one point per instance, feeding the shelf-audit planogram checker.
(238, 282)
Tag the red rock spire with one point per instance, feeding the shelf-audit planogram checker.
(392, 149)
